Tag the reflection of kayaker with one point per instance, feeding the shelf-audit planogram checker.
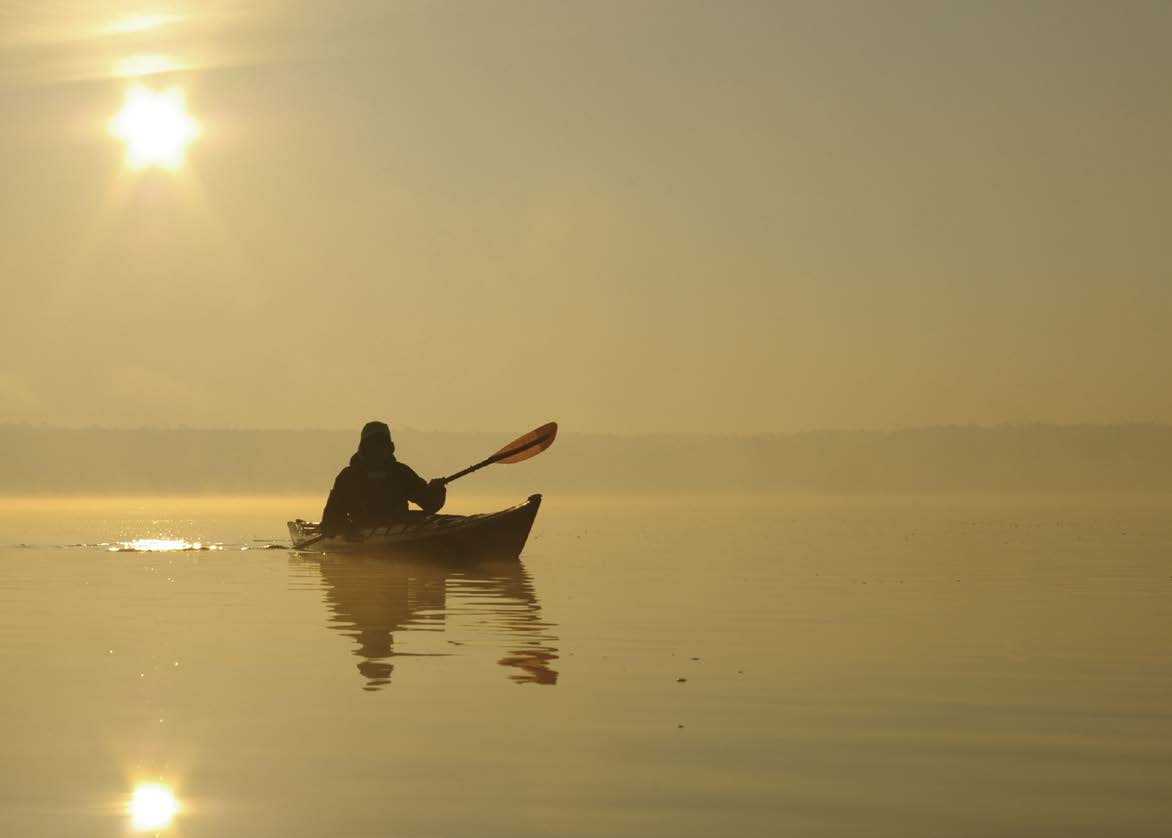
(368, 506)
(373, 598)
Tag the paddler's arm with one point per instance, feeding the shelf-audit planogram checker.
(428, 496)
(335, 518)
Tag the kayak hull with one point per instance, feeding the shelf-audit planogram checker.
(495, 534)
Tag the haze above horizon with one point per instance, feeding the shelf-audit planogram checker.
(653, 217)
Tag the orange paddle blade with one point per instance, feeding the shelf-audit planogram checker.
(530, 445)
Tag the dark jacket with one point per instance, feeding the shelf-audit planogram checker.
(375, 490)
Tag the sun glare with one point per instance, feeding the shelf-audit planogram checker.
(139, 23)
(137, 66)
(152, 806)
(155, 127)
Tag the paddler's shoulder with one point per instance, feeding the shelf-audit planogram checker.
(404, 470)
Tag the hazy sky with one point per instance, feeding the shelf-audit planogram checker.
(629, 216)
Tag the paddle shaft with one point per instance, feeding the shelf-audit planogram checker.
(495, 458)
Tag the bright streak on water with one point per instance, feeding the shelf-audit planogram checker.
(160, 545)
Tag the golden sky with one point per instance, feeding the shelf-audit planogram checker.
(626, 216)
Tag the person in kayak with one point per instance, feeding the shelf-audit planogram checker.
(375, 488)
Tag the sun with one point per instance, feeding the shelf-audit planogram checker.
(152, 806)
(155, 126)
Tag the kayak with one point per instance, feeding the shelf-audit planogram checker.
(499, 534)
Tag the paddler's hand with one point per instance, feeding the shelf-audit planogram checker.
(436, 483)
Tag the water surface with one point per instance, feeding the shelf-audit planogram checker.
(651, 666)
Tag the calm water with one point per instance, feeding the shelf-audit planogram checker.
(651, 667)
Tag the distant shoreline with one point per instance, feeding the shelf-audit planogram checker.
(481, 501)
(1089, 460)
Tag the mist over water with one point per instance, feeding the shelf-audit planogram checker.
(651, 665)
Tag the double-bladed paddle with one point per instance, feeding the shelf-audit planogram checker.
(521, 448)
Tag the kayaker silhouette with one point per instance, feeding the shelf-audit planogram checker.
(367, 507)
(376, 488)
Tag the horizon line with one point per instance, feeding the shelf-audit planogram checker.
(1001, 426)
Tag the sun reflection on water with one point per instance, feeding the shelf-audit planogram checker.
(152, 807)
(160, 545)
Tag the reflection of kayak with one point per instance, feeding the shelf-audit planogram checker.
(491, 534)
(379, 600)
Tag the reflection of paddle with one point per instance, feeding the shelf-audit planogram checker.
(521, 448)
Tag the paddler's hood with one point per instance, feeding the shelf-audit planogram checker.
(376, 449)
(368, 460)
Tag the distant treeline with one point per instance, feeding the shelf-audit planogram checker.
(947, 460)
